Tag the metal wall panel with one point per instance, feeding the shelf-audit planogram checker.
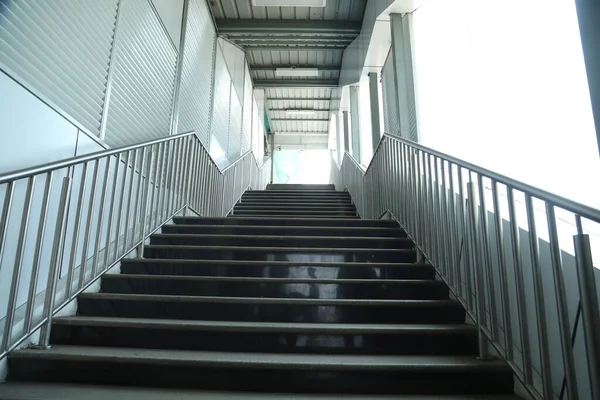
(197, 72)
(247, 122)
(144, 76)
(60, 50)
(221, 106)
(391, 119)
(235, 128)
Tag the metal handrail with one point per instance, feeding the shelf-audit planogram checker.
(458, 226)
(107, 205)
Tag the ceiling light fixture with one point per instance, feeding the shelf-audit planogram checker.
(297, 72)
(289, 3)
(300, 112)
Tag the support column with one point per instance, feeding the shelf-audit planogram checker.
(355, 122)
(588, 13)
(338, 137)
(374, 97)
(272, 156)
(346, 131)
(404, 75)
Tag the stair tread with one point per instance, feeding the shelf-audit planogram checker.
(279, 237)
(270, 300)
(278, 263)
(299, 227)
(70, 391)
(431, 282)
(237, 326)
(263, 360)
(279, 249)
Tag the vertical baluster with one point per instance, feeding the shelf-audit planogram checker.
(434, 233)
(129, 198)
(55, 264)
(505, 297)
(174, 176)
(37, 254)
(145, 201)
(88, 227)
(487, 259)
(126, 160)
(138, 193)
(589, 306)
(561, 304)
(155, 188)
(97, 238)
(538, 289)
(476, 269)
(169, 155)
(519, 280)
(162, 185)
(446, 231)
(454, 235)
(463, 250)
(111, 209)
(18, 266)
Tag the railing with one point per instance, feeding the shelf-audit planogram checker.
(64, 224)
(485, 234)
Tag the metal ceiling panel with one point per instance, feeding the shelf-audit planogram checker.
(334, 10)
(271, 75)
(300, 126)
(294, 57)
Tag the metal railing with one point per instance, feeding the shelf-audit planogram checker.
(485, 234)
(64, 224)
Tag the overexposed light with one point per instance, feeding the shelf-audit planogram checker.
(313, 72)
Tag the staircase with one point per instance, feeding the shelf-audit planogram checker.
(292, 293)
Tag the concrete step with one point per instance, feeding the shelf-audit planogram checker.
(263, 372)
(279, 253)
(275, 287)
(283, 230)
(288, 221)
(291, 186)
(353, 270)
(69, 391)
(295, 213)
(406, 339)
(220, 308)
(283, 241)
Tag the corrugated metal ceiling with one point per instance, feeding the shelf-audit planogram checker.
(334, 10)
(316, 39)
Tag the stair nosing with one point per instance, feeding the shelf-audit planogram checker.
(279, 237)
(305, 227)
(244, 360)
(424, 282)
(278, 263)
(270, 300)
(237, 326)
(280, 249)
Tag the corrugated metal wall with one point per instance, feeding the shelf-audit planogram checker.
(60, 50)
(391, 119)
(144, 77)
(248, 112)
(222, 100)
(197, 72)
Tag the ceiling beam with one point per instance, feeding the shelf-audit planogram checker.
(250, 44)
(262, 47)
(288, 38)
(295, 83)
(318, 134)
(265, 27)
(298, 120)
(274, 67)
(299, 99)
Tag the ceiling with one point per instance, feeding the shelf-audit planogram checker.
(288, 37)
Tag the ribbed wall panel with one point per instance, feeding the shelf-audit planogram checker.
(235, 129)
(247, 122)
(221, 106)
(391, 120)
(144, 77)
(197, 72)
(62, 51)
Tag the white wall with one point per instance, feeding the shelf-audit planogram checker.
(502, 84)
(170, 13)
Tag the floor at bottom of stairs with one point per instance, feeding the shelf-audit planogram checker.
(51, 391)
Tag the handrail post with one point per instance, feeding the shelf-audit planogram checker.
(55, 265)
(140, 249)
(589, 307)
(478, 275)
